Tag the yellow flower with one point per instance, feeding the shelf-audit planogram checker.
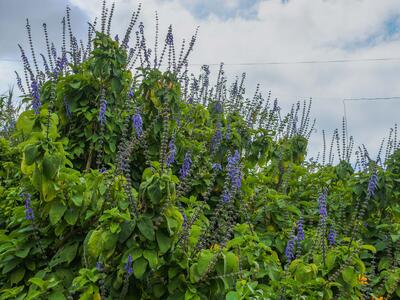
(362, 279)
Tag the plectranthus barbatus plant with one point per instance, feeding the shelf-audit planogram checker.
(180, 187)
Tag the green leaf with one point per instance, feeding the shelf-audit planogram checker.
(71, 216)
(349, 276)
(17, 275)
(139, 267)
(154, 192)
(57, 295)
(116, 85)
(145, 226)
(56, 212)
(75, 85)
(231, 263)
(330, 260)
(77, 199)
(64, 255)
(26, 121)
(31, 153)
(94, 244)
(204, 262)
(164, 242)
(369, 247)
(39, 282)
(232, 296)
(23, 252)
(51, 164)
(152, 258)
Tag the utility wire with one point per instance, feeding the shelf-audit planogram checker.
(384, 59)
(364, 99)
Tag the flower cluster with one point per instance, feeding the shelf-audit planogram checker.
(36, 104)
(128, 265)
(217, 138)
(332, 236)
(234, 171)
(290, 247)
(372, 185)
(171, 153)
(102, 112)
(322, 204)
(187, 162)
(228, 133)
(61, 62)
(67, 107)
(169, 39)
(29, 215)
(300, 230)
(99, 266)
(138, 124)
(225, 197)
(216, 167)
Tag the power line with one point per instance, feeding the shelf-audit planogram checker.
(373, 98)
(384, 59)
(364, 99)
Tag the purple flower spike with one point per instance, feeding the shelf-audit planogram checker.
(171, 154)
(131, 92)
(138, 124)
(36, 104)
(102, 112)
(128, 265)
(184, 225)
(217, 167)
(332, 236)
(228, 134)
(225, 197)
(290, 248)
(322, 204)
(234, 172)
(300, 230)
(372, 185)
(29, 215)
(187, 162)
(99, 266)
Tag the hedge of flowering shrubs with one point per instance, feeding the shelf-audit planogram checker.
(120, 179)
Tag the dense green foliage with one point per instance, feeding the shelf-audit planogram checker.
(141, 229)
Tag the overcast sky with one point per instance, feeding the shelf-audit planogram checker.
(257, 31)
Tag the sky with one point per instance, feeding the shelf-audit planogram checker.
(238, 32)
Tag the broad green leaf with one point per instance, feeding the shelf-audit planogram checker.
(231, 262)
(204, 262)
(349, 276)
(152, 258)
(23, 252)
(51, 164)
(71, 216)
(94, 244)
(64, 255)
(145, 226)
(164, 242)
(57, 295)
(56, 212)
(369, 247)
(17, 275)
(31, 153)
(232, 296)
(139, 267)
